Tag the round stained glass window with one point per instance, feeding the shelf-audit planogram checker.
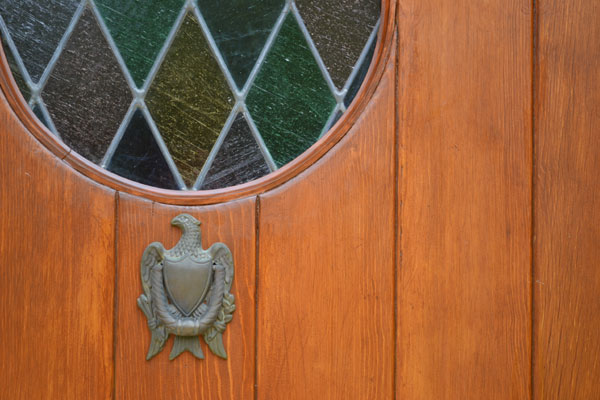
(189, 94)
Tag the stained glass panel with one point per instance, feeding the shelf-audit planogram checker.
(195, 94)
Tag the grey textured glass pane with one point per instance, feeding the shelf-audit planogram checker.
(86, 94)
(238, 161)
(360, 75)
(37, 27)
(139, 158)
(14, 68)
(240, 28)
(290, 101)
(139, 28)
(340, 30)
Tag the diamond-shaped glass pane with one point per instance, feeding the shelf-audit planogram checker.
(340, 30)
(240, 29)
(290, 101)
(138, 156)
(139, 28)
(86, 94)
(239, 159)
(190, 99)
(37, 27)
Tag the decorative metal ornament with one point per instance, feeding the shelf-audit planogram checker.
(186, 292)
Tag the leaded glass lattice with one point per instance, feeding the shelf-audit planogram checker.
(189, 94)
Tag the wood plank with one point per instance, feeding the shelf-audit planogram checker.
(56, 288)
(326, 268)
(141, 222)
(464, 283)
(567, 201)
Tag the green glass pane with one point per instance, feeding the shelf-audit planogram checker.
(290, 101)
(190, 100)
(139, 28)
(240, 28)
(14, 68)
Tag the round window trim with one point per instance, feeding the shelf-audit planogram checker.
(205, 197)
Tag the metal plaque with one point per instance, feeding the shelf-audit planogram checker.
(186, 292)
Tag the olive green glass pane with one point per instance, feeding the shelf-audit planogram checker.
(290, 101)
(139, 28)
(240, 29)
(190, 100)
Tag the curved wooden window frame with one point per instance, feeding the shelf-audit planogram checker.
(205, 197)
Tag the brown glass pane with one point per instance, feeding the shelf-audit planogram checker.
(239, 160)
(139, 158)
(86, 94)
(37, 27)
(340, 30)
(190, 100)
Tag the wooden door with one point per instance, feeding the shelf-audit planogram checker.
(441, 243)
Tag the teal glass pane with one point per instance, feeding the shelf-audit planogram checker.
(240, 29)
(36, 27)
(139, 28)
(190, 100)
(290, 101)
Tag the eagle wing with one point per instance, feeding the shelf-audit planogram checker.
(213, 337)
(152, 256)
(221, 254)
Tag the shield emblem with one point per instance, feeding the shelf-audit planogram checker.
(187, 282)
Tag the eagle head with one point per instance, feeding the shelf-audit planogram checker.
(185, 220)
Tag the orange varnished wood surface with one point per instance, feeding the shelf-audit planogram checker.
(567, 198)
(142, 222)
(464, 282)
(326, 269)
(446, 247)
(57, 274)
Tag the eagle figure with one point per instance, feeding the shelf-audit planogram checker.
(186, 292)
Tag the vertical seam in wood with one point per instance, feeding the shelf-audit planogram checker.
(115, 296)
(256, 277)
(534, 60)
(396, 254)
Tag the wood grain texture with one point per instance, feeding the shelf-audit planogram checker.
(56, 285)
(464, 282)
(141, 222)
(326, 269)
(567, 201)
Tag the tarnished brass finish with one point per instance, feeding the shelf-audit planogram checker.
(186, 292)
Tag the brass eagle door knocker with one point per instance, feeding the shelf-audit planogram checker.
(186, 292)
